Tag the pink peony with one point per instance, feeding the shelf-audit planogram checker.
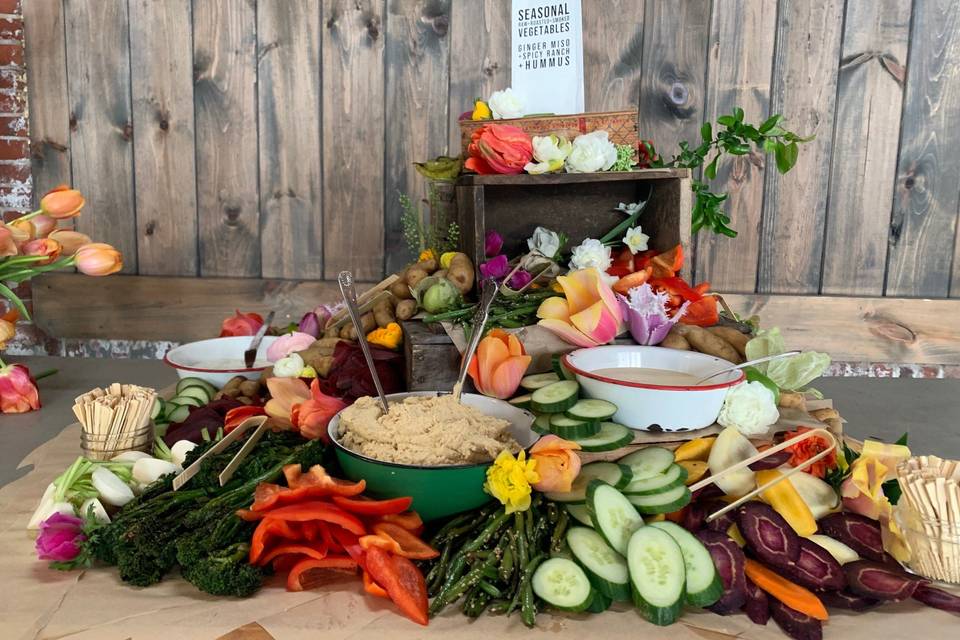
(60, 538)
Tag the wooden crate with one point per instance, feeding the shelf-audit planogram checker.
(581, 205)
(432, 360)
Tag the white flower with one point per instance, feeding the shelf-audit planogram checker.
(544, 241)
(632, 208)
(591, 152)
(591, 253)
(288, 367)
(749, 408)
(635, 239)
(549, 152)
(505, 104)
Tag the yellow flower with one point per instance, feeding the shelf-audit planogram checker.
(388, 337)
(427, 254)
(308, 372)
(509, 480)
(446, 259)
(481, 111)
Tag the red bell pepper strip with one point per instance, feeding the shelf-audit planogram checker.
(283, 564)
(316, 510)
(675, 286)
(270, 527)
(703, 312)
(250, 516)
(381, 542)
(311, 530)
(348, 541)
(268, 496)
(234, 417)
(372, 587)
(366, 507)
(409, 520)
(317, 550)
(410, 545)
(667, 264)
(643, 259)
(295, 579)
(403, 582)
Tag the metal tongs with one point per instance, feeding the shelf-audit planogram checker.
(480, 316)
(253, 422)
(345, 280)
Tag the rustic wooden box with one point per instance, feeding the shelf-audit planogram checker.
(581, 205)
(432, 360)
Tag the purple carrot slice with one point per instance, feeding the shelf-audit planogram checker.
(728, 558)
(722, 523)
(772, 461)
(857, 532)
(937, 598)
(879, 581)
(846, 599)
(768, 535)
(816, 569)
(693, 516)
(798, 626)
(757, 606)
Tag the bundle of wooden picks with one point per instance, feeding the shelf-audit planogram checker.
(931, 489)
(115, 419)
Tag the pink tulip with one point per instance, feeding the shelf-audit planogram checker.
(285, 394)
(60, 538)
(241, 324)
(44, 225)
(312, 416)
(70, 240)
(8, 244)
(492, 243)
(62, 202)
(499, 148)
(495, 268)
(589, 316)
(499, 365)
(558, 463)
(18, 390)
(290, 343)
(98, 259)
(42, 247)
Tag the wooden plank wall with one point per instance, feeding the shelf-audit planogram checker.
(271, 139)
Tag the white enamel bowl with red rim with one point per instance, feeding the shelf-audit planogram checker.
(641, 405)
(212, 360)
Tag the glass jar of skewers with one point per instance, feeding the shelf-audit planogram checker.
(104, 446)
(934, 544)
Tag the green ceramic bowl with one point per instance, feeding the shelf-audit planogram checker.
(437, 491)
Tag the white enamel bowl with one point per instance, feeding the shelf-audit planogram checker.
(652, 407)
(213, 360)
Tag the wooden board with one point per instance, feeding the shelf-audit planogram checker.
(353, 140)
(738, 75)
(101, 125)
(225, 95)
(923, 228)
(417, 56)
(49, 117)
(163, 137)
(804, 91)
(869, 96)
(612, 54)
(291, 203)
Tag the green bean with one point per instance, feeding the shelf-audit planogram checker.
(528, 609)
(435, 577)
(528, 525)
(506, 562)
(491, 589)
(553, 513)
(526, 577)
(476, 605)
(559, 532)
(495, 523)
(498, 607)
(520, 536)
(460, 587)
(454, 522)
(457, 568)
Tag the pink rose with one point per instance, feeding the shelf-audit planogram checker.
(60, 538)
(285, 345)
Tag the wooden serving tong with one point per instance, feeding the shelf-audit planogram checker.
(253, 422)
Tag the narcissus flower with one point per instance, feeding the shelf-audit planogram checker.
(62, 202)
(557, 463)
(98, 259)
(18, 390)
(509, 480)
(499, 365)
(588, 316)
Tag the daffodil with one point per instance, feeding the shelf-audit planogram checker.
(509, 480)
(427, 254)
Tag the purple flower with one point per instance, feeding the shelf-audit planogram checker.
(492, 243)
(60, 538)
(645, 314)
(519, 280)
(495, 268)
(310, 324)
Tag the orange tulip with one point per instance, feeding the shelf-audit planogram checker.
(8, 245)
(43, 225)
(241, 324)
(499, 365)
(42, 247)
(62, 202)
(69, 240)
(285, 394)
(98, 259)
(557, 463)
(312, 416)
(26, 228)
(18, 390)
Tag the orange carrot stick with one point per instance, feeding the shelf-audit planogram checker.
(789, 593)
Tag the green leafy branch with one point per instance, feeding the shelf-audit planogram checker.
(734, 137)
(428, 229)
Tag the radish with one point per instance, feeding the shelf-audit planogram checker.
(180, 450)
(130, 456)
(149, 470)
(111, 488)
(99, 513)
(48, 507)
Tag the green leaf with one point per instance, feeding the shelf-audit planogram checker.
(902, 439)
(769, 145)
(711, 170)
(739, 149)
(891, 489)
(706, 132)
(738, 114)
(786, 156)
(770, 122)
(727, 121)
(7, 293)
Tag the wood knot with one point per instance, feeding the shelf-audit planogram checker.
(679, 94)
(373, 26)
(73, 121)
(164, 124)
(232, 214)
(909, 182)
(439, 22)
(490, 69)
(150, 228)
(127, 132)
(890, 329)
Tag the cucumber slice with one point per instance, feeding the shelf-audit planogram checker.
(612, 514)
(541, 424)
(610, 437)
(562, 584)
(606, 568)
(160, 429)
(599, 604)
(657, 575)
(200, 393)
(579, 512)
(569, 429)
(562, 372)
(665, 502)
(592, 410)
(555, 397)
(538, 380)
(186, 401)
(183, 383)
(157, 409)
(703, 586)
(648, 462)
(522, 402)
(616, 475)
(178, 414)
(672, 477)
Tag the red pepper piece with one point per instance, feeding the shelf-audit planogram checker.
(366, 507)
(667, 264)
(317, 510)
(703, 312)
(371, 587)
(409, 520)
(675, 286)
(316, 550)
(350, 542)
(234, 417)
(303, 486)
(299, 579)
(643, 259)
(410, 545)
(267, 529)
(403, 582)
(381, 542)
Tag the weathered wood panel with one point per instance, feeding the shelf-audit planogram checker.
(353, 137)
(98, 68)
(612, 54)
(479, 57)
(923, 228)
(49, 117)
(225, 83)
(163, 143)
(417, 55)
(738, 75)
(291, 193)
(869, 98)
(804, 91)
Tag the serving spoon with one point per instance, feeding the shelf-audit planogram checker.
(785, 354)
(345, 280)
(480, 316)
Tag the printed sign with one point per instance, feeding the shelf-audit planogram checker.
(547, 44)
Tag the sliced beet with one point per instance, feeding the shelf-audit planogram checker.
(857, 532)
(728, 558)
(798, 626)
(879, 581)
(757, 606)
(709, 491)
(816, 569)
(937, 598)
(693, 515)
(722, 523)
(846, 599)
(768, 535)
(772, 461)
